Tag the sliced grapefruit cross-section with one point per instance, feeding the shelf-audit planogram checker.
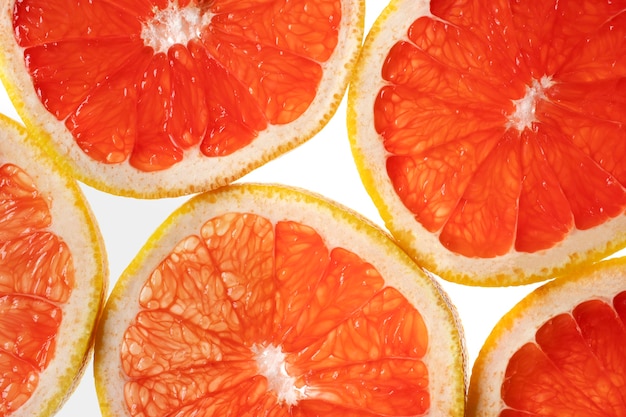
(52, 279)
(265, 300)
(490, 134)
(168, 97)
(559, 352)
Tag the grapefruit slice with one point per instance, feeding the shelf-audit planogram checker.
(161, 98)
(559, 352)
(52, 278)
(490, 134)
(267, 300)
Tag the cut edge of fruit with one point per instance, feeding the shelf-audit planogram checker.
(269, 145)
(520, 323)
(452, 387)
(508, 271)
(56, 383)
(514, 268)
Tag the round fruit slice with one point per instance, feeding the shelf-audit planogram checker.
(158, 98)
(559, 352)
(490, 134)
(264, 300)
(52, 279)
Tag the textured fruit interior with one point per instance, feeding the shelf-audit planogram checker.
(337, 340)
(36, 278)
(504, 121)
(576, 366)
(129, 86)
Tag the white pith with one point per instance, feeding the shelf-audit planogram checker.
(340, 228)
(520, 267)
(73, 223)
(174, 25)
(208, 173)
(270, 361)
(519, 326)
(525, 107)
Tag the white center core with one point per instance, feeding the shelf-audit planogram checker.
(525, 108)
(174, 25)
(270, 361)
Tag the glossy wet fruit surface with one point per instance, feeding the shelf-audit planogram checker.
(136, 87)
(508, 135)
(558, 352)
(37, 276)
(293, 323)
(254, 310)
(577, 362)
(129, 58)
(51, 279)
(495, 128)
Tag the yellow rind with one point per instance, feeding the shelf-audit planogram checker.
(82, 343)
(178, 181)
(261, 197)
(515, 268)
(552, 298)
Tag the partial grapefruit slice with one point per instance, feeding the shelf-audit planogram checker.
(167, 97)
(490, 134)
(559, 352)
(52, 279)
(264, 300)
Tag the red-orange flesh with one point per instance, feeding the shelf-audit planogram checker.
(576, 366)
(461, 156)
(243, 287)
(36, 278)
(247, 65)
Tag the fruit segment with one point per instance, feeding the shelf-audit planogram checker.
(503, 122)
(177, 74)
(576, 365)
(252, 316)
(36, 278)
(27, 330)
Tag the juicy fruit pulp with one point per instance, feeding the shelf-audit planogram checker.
(147, 81)
(36, 279)
(559, 351)
(503, 121)
(575, 366)
(251, 316)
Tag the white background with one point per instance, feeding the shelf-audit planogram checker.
(324, 165)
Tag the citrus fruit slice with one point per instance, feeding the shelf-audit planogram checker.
(160, 98)
(559, 352)
(490, 134)
(52, 279)
(267, 300)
